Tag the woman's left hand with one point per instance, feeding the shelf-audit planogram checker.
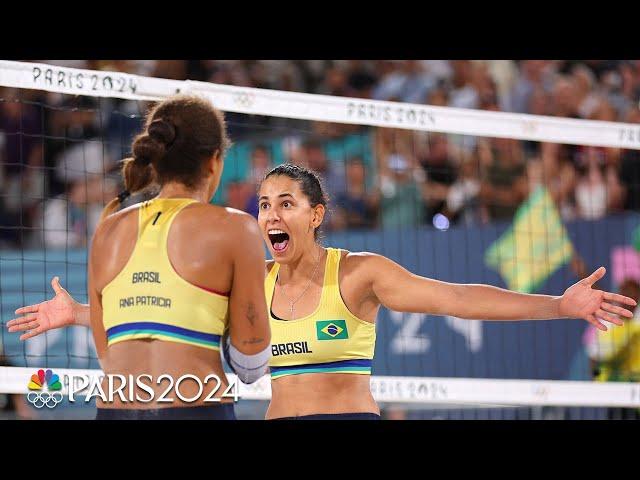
(594, 306)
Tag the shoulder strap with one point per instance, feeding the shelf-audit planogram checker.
(270, 283)
(155, 218)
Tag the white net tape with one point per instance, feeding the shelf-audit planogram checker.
(424, 390)
(324, 108)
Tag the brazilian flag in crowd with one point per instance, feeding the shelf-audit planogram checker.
(533, 247)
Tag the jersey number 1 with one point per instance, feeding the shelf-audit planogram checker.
(157, 217)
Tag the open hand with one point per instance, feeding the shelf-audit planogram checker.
(55, 313)
(582, 301)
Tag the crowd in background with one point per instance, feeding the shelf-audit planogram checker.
(58, 154)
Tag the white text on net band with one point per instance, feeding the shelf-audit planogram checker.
(422, 390)
(324, 108)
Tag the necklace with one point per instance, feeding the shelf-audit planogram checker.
(293, 302)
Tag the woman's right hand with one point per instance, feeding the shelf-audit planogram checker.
(58, 312)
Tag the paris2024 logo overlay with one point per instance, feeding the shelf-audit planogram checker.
(45, 389)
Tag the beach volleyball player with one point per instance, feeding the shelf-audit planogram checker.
(168, 277)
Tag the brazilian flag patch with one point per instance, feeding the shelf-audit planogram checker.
(331, 330)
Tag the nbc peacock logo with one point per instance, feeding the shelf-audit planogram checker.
(44, 386)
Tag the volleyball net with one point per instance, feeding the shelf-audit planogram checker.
(527, 202)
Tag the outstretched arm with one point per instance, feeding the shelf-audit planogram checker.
(400, 290)
(61, 311)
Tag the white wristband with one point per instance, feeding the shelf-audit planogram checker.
(249, 368)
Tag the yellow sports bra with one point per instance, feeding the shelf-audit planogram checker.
(330, 340)
(148, 299)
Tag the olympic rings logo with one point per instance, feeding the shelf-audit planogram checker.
(244, 99)
(42, 399)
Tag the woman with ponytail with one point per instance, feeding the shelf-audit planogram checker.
(170, 276)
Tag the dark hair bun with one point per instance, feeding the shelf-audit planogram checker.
(147, 150)
(162, 131)
(181, 134)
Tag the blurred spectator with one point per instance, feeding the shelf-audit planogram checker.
(315, 158)
(630, 73)
(355, 207)
(503, 73)
(260, 164)
(22, 176)
(601, 67)
(438, 96)
(463, 93)
(69, 221)
(586, 98)
(611, 87)
(533, 75)
(258, 75)
(539, 102)
(598, 189)
(440, 172)
(172, 69)
(556, 173)
(409, 83)
(630, 169)
(484, 85)
(440, 69)
(123, 121)
(83, 158)
(504, 183)
(70, 123)
(616, 352)
(361, 78)
(463, 202)
(294, 75)
(400, 178)
(401, 200)
(336, 83)
(21, 124)
(199, 69)
(565, 98)
(237, 194)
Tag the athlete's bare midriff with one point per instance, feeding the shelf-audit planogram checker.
(316, 393)
(157, 358)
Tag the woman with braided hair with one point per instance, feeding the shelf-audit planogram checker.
(162, 289)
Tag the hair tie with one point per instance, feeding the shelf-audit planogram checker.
(122, 196)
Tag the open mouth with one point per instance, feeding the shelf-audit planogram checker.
(279, 239)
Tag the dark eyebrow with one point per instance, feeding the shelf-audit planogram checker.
(264, 197)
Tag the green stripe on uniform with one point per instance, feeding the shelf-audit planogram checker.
(323, 370)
